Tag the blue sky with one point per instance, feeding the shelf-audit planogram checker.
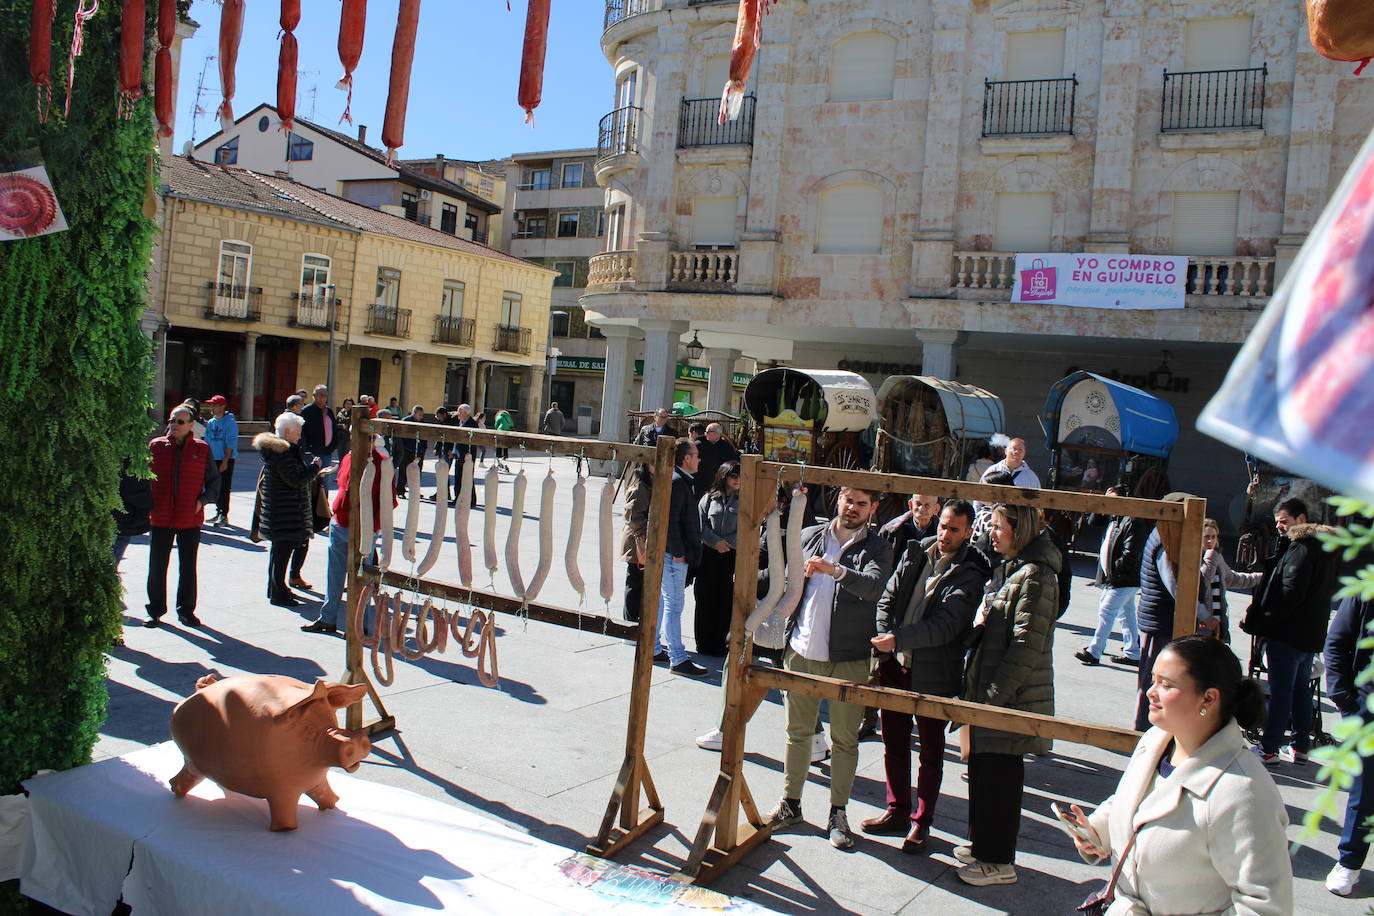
(462, 89)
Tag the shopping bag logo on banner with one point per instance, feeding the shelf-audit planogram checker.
(1039, 282)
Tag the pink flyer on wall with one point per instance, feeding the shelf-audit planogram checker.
(28, 206)
(1301, 392)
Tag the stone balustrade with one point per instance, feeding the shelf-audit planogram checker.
(1236, 275)
(703, 269)
(611, 267)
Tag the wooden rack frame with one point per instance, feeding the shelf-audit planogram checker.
(746, 684)
(624, 821)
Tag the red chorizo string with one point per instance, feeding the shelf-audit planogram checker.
(162, 66)
(352, 25)
(477, 638)
(83, 13)
(131, 47)
(40, 54)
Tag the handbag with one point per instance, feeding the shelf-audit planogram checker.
(254, 534)
(1097, 902)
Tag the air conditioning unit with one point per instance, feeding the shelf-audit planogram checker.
(519, 216)
(425, 195)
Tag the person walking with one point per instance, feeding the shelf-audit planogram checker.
(924, 619)
(286, 514)
(331, 618)
(1011, 665)
(1118, 575)
(553, 421)
(683, 550)
(634, 537)
(222, 435)
(1290, 610)
(847, 566)
(714, 587)
(185, 481)
(405, 449)
(503, 422)
(481, 420)
(1345, 656)
(1196, 824)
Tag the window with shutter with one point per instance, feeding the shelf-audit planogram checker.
(1035, 55)
(1025, 222)
(1205, 223)
(713, 221)
(862, 66)
(1217, 44)
(850, 220)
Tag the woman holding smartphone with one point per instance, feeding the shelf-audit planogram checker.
(1196, 816)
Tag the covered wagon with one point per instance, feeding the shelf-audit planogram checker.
(934, 427)
(1101, 433)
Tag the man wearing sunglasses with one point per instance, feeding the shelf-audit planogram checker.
(186, 480)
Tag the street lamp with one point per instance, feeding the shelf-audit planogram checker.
(695, 347)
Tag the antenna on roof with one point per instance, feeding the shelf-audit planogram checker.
(313, 90)
(196, 109)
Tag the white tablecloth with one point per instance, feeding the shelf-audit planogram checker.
(114, 828)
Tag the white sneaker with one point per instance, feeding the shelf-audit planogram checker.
(711, 741)
(1290, 754)
(1341, 881)
(964, 854)
(981, 874)
(820, 748)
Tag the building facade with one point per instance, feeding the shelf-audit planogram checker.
(256, 269)
(891, 158)
(331, 161)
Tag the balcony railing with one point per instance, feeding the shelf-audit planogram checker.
(618, 132)
(388, 321)
(1220, 276)
(699, 123)
(512, 340)
(232, 302)
(311, 312)
(479, 236)
(611, 267)
(1214, 100)
(705, 270)
(617, 10)
(456, 331)
(416, 213)
(1028, 108)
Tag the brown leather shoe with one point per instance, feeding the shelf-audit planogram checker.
(301, 584)
(889, 823)
(916, 840)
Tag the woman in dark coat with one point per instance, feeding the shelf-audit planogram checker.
(1011, 666)
(287, 513)
(714, 589)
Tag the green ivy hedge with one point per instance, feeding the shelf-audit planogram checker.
(74, 372)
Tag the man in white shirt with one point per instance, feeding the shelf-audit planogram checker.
(1015, 465)
(847, 567)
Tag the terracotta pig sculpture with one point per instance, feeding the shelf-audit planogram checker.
(268, 736)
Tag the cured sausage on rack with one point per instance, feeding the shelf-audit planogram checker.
(230, 33)
(162, 66)
(398, 93)
(352, 24)
(286, 63)
(532, 61)
(40, 53)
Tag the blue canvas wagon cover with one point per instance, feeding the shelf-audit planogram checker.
(1092, 409)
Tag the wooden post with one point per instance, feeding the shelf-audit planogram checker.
(354, 670)
(1189, 563)
(634, 770)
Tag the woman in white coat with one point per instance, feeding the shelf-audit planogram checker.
(1196, 814)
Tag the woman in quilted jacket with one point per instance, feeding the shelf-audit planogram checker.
(1010, 666)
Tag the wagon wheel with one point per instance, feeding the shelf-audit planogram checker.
(842, 456)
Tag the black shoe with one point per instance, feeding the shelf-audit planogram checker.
(660, 658)
(285, 602)
(1087, 658)
(889, 823)
(1126, 660)
(868, 731)
(319, 626)
(689, 668)
(152, 623)
(189, 620)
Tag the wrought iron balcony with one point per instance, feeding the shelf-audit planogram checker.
(232, 302)
(1028, 108)
(312, 312)
(618, 132)
(456, 331)
(617, 10)
(699, 123)
(1214, 100)
(512, 340)
(388, 321)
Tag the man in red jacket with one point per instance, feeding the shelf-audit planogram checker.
(186, 480)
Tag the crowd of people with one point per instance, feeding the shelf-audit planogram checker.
(951, 599)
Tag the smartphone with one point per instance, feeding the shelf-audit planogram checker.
(1070, 823)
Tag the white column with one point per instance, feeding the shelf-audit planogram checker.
(937, 352)
(404, 395)
(662, 340)
(534, 400)
(615, 391)
(474, 390)
(250, 366)
(722, 363)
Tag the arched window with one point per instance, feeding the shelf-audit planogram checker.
(850, 220)
(862, 66)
